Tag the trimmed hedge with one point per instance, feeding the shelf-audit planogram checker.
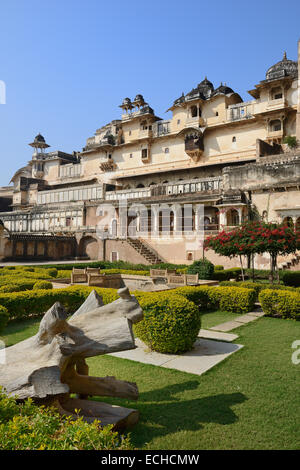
(24, 304)
(226, 274)
(230, 299)
(43, 285)
(4, 317)
(284, 304)
(256, 286)
(291, 278)
(171, 322)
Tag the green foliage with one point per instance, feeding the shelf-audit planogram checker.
(230, 299)
(42, 285)
(256, 286)
(171, 322)
(226, 274)
(234, 299)
(291, 141)
(25, 426)
(4, 316)
(27, 303)
(282, 303)
(202, 267)
(291, 278)
(218, 267)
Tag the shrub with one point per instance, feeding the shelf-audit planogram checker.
(42, 285)
(231, 299)
(291, 278)
(282, 303)
(256, 286)
(234, 299)
(4, 316)
(25, 426)
(226, 274)
(171, 322)
(24, 304)
(202, 267)
(218, 267)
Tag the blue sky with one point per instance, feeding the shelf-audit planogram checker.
(68, 64)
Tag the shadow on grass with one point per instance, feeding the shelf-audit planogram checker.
(161, 419)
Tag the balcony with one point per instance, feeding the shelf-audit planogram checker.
(240, 111)
(161, 128)
(195, 122)
(145, 134)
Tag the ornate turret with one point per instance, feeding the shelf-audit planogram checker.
(39, 144)
(283, 68)
(126, 105)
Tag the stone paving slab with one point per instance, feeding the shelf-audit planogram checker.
(205, 355)
(246, 318)
(257, 314)
(227, 326)
(217, 335)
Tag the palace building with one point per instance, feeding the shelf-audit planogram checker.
(216, 151)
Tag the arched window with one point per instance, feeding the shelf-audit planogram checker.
(288, 221)
(140, 185)
(275, 125)
(233, 139)
(194, 111)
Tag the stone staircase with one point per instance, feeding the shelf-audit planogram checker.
(145, 250)
(291, 262)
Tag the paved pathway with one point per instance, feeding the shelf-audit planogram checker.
(239, 321)
(205, 354)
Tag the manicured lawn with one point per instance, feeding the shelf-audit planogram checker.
(17, 331)
(249, 401)
(210, 319)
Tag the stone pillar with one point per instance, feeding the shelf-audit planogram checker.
(298, 98)
(240, 211)
(222, 219)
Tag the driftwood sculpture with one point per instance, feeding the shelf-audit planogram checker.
(51, 365)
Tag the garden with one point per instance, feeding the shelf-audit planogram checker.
(248, 401)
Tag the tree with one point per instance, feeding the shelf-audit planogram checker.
(256, 237)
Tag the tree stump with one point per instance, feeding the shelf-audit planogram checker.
(51, 365)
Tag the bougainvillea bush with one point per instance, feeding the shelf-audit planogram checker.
(256, 237)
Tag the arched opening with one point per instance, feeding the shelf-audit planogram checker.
(166, 221)
(288, 221)
(140, 185)
(194, 111)
(232, 218)
(88, 248)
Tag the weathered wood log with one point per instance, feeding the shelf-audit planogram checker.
(51, 364)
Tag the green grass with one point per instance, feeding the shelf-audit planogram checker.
(248, 401)
(19, 330)
(216, 317)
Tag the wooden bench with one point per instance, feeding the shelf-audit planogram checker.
(96, 279)
(161, 273)
(93, 270)
(176, 280)
(78, 276)
(192, 279)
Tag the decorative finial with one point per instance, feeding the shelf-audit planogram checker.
(221, 84)
(284, 55)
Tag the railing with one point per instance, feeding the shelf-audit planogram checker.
(182, 187)
(239, 111)
(128, 194)
(194, 122)
(145, 133)
(161, 128)
(70, 170)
